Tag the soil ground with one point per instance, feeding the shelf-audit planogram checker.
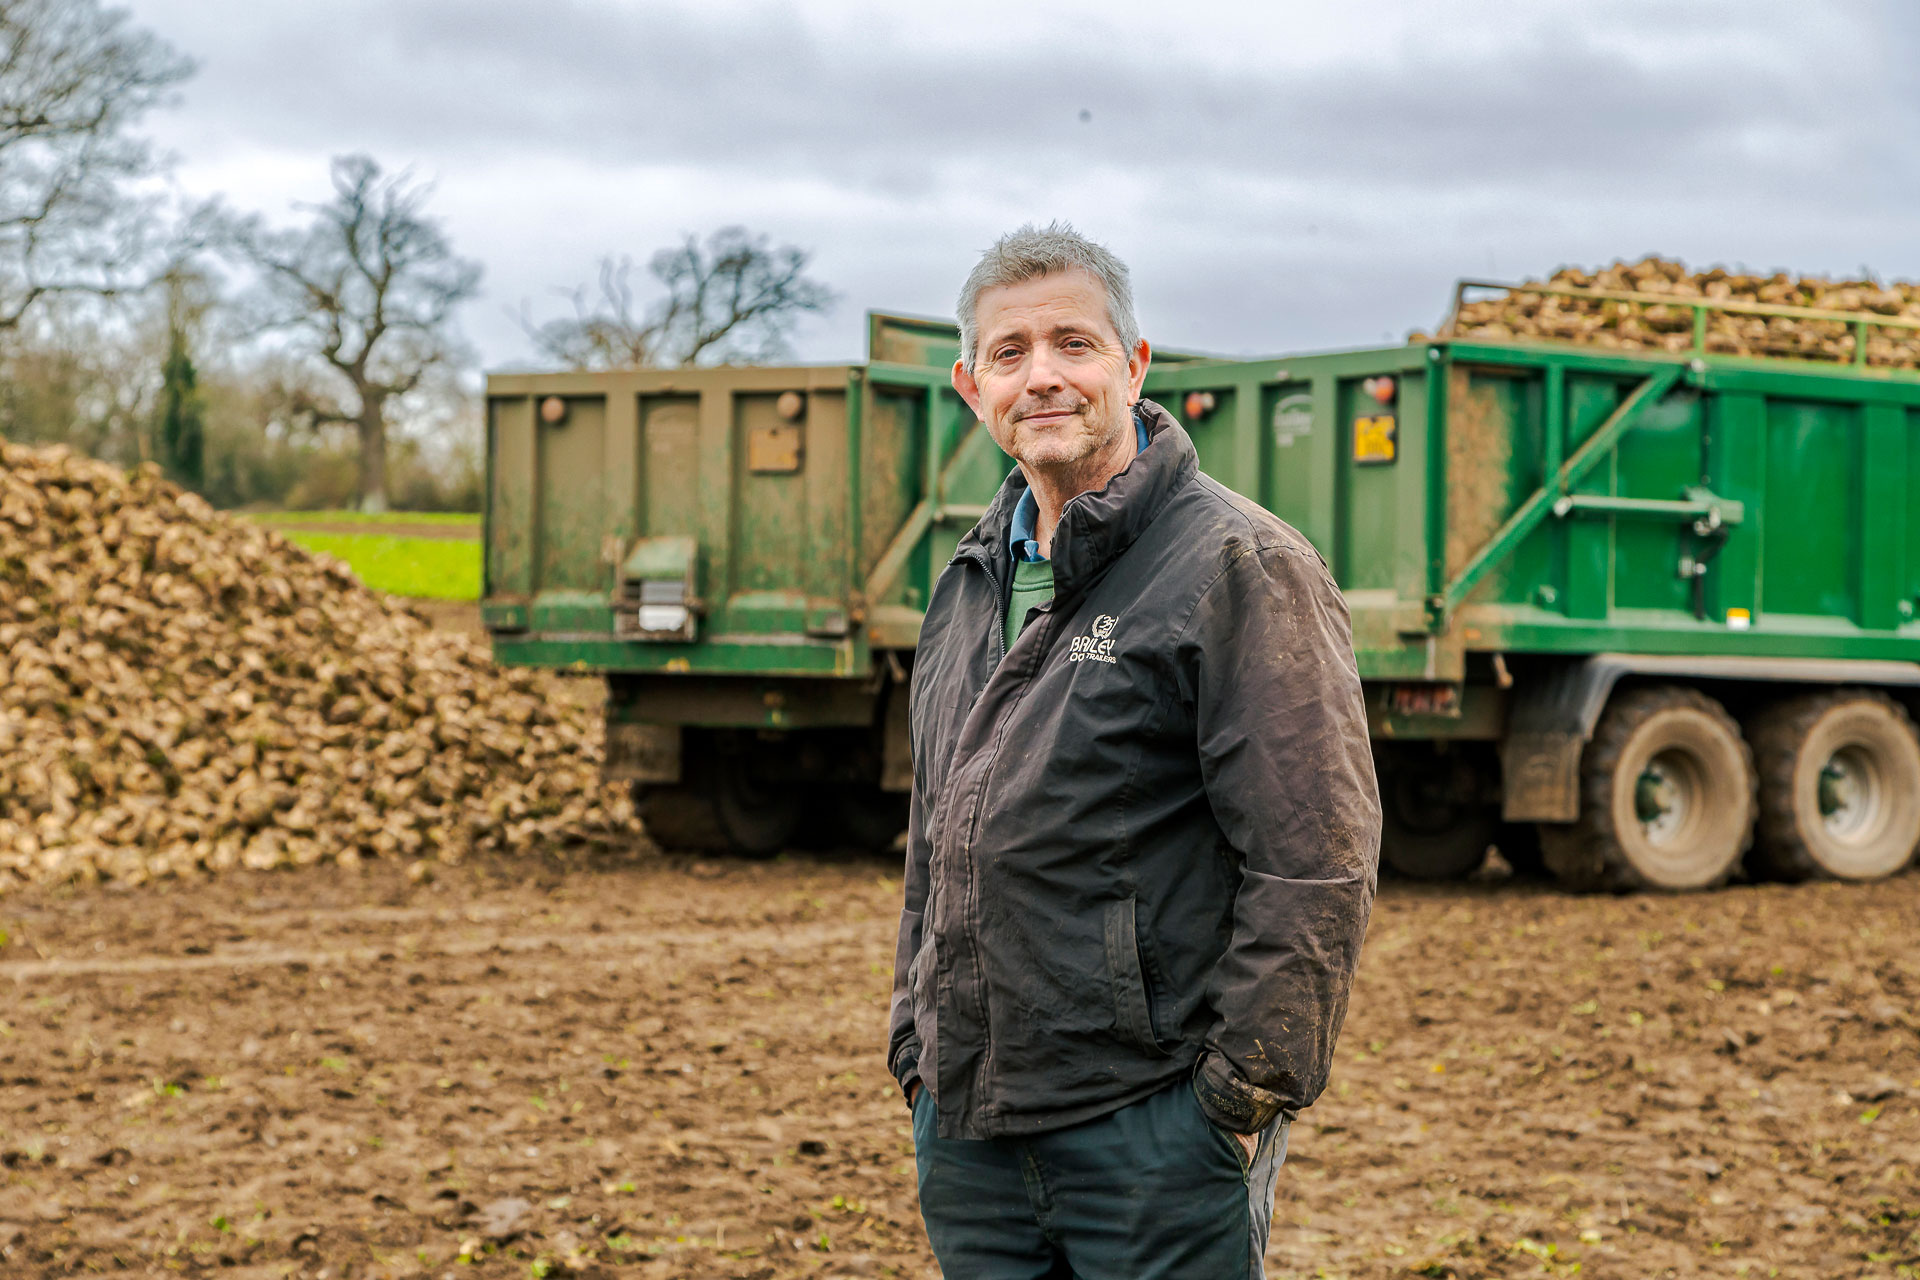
(654, 1066)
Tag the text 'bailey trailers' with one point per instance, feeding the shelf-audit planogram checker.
(1636, 613)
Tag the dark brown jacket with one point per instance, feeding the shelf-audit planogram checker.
(1144, 841)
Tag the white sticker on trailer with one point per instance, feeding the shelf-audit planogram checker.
(1292, 418)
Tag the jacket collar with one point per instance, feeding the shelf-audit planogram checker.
(1098, 526)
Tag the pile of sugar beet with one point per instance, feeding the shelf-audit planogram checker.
(181, 690)
(1661, 326)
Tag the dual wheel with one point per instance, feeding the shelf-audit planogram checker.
(1673, 794)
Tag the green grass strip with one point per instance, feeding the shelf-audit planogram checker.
(455, 518)
(429, 568)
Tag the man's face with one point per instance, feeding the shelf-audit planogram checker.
(1050, 378)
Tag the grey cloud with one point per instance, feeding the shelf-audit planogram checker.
(766, 94)
(1267, 201)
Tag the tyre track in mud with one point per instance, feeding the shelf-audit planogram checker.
(772, 937)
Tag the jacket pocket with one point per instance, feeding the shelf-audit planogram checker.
(1133, 1017)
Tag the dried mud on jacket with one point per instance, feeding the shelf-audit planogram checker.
(1143, 843)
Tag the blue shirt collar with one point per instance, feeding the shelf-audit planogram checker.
(1026, 514)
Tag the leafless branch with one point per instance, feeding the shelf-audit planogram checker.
(731, 299)
(366, 290)
(73, 77)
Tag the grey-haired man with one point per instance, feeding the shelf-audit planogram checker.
(1144, 828)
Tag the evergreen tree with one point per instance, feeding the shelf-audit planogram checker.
(182, 444)
(180, 440)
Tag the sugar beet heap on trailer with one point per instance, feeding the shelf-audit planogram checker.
(1637, 614)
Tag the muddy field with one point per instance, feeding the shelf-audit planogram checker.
(659, 1067)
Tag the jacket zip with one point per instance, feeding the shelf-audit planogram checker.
(973, 823)
(1001, 602)
(970, 556)
(1000, 607)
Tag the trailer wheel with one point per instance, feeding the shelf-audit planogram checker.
(721, 810)
(1667, 797)
(759, 818)
(679, 818)
(1839, 787)
(1436, 822)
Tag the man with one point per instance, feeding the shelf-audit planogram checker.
(1144, 828)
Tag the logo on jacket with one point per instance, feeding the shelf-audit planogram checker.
(1097, 644)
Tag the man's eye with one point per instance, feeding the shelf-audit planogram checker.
(1006, 353)
(1077, 344)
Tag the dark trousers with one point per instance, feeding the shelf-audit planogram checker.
(1153, 1191)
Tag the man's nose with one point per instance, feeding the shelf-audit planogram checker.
(1043, 371)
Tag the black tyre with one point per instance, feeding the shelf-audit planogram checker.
(1839, 787)
(1436, 821)
(758, 818)
(1667, 797)
(721, 808)
(680, 818)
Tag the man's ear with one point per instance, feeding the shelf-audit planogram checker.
(969, 389)
(1137, 364)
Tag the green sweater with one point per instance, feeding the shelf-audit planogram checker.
(1032, 587)
(1032, 572)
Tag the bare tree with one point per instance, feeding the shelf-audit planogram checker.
(73, 78)
(734, 300)
(604, 332)
(731, 300)
(367, 291)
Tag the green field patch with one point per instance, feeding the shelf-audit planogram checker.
(431, 568)
(464, 519)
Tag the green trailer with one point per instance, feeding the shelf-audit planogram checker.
(1645, 618)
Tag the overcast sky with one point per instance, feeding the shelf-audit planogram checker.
(1279, 176)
